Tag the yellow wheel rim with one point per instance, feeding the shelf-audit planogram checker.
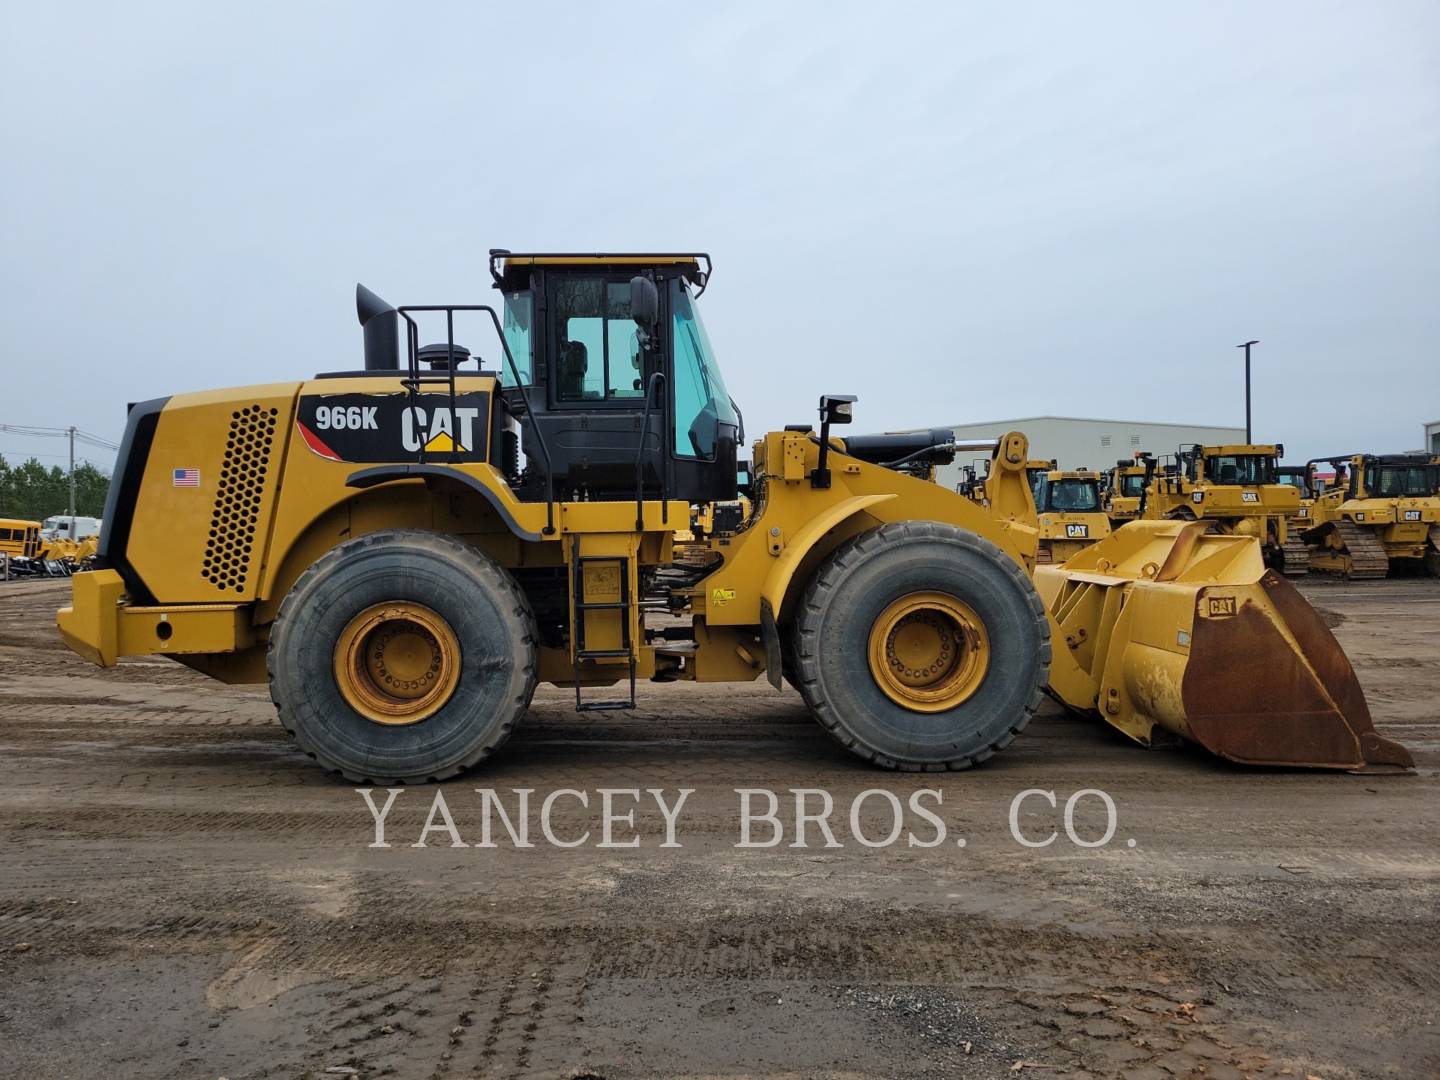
(397, 663)
(929, 652)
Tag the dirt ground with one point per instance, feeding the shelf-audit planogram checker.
(182, 894)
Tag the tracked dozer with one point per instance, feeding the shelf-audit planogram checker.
(1124, 489)
(1067, 505)
(1381, 513)
(404, 551)
(1237, 488)
(1036, 470)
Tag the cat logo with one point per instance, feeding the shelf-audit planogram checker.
(1360, 516)
(437, 430)
(1197, 496)
(1077, 531)
(1249, 496)
(721, 597)
(1412, 515)
(1221, 607)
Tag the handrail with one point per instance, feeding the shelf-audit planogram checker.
(412, 383)
(657, 379)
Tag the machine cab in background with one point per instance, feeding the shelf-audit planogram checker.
(618, 372)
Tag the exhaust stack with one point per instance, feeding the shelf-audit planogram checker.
(380, 323)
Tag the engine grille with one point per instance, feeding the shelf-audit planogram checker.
(228, 552)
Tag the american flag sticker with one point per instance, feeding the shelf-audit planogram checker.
(187, 478)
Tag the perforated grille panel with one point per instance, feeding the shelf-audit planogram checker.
(228, 552)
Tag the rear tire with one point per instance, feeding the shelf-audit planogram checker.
(973, 712)
(481, 678)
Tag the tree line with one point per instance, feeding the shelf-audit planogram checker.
(32, 492)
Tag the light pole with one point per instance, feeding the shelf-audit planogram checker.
(72, 481)
(1246, 347)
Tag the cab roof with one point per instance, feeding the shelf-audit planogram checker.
(1243, 450)
(510, 269)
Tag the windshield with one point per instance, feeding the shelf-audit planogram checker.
(1396, 481)
(1079, 496)
(1247, 469)
(701, 400)
(1133, 485)
(516, 324)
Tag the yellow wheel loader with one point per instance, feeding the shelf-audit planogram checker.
(1381, 513)
(405, 550)
(1237, 488)
(1070, 514)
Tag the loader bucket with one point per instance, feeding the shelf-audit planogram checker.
(1166, 629)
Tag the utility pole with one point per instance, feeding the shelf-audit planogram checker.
(1248, 438)
(72, 478)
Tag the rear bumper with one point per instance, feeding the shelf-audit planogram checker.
(101, 627)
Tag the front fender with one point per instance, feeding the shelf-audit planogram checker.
(782, 573)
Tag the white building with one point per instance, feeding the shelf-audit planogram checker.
(1432, 437)
(1094, 444)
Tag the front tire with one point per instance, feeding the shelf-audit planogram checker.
(403, 656)
(922, 646)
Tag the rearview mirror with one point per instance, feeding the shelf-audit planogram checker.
(644, 303)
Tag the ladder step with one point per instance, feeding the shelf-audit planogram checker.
(604, 706)
(605, 605)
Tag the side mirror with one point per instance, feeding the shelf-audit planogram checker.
(834, 409)
(837, 409)
(644, 303)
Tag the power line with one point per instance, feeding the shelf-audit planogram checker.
(59, 433)
(102, 465)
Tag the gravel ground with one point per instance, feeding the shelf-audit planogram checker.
(182, 894)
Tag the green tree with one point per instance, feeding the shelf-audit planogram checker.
(33, 492)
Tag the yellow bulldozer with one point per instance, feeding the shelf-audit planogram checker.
(1299, 477)
(403, 551)
(1071, 517)
(1123, 492)
(1382, 512)
(1237, 488)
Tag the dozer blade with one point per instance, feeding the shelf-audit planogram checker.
(1165, 627)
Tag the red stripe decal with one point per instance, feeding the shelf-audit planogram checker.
(314, 443)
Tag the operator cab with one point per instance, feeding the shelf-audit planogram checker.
(1294, 476)
(1399, 476)
(1232, 466)
(1068, 493)
(614, 363)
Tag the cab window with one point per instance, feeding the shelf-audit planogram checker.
(1398, 482)
(1072, 496)
(1244, 469)
(701, 400)
(597, 348)
(1132, 485)
(519, 317)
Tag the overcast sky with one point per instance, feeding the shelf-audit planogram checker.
(957, 212)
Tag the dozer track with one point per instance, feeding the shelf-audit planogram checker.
(1297, 556)
(1366, 553)
(1432, 552)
